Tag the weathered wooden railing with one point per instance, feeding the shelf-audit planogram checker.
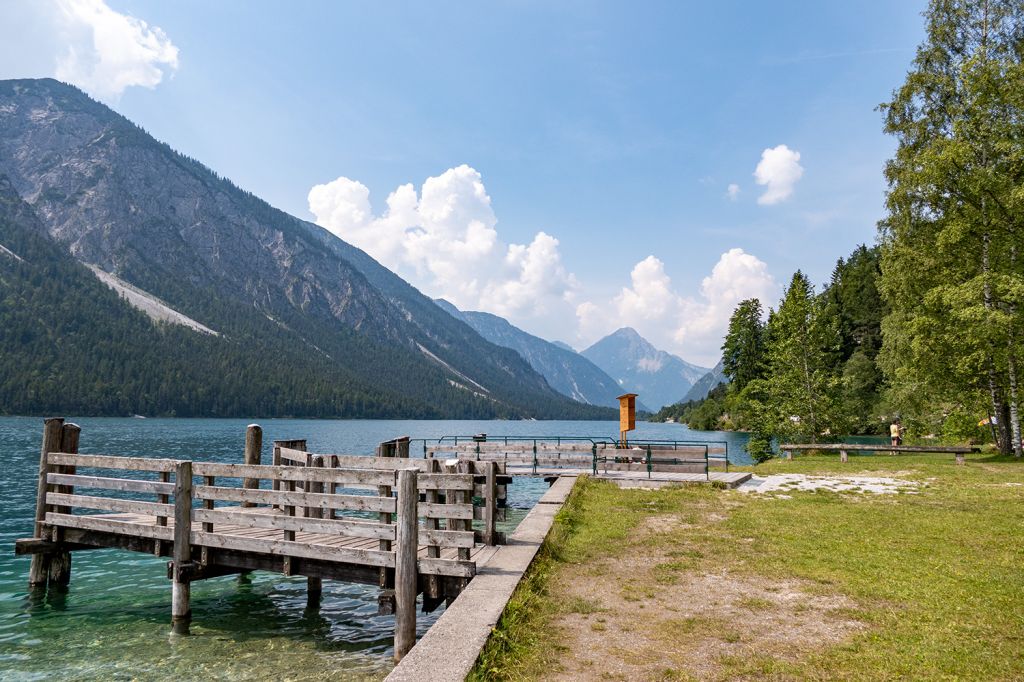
(324, 520)
(596, 456)
(488, 496)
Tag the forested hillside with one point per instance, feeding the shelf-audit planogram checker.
(309, 324)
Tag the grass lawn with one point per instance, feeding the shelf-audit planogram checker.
(700, 583)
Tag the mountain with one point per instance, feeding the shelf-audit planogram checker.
(566, 371)
(706, 383)
(280, 292)
(658, 377)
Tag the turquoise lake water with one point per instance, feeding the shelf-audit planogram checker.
(114, 621)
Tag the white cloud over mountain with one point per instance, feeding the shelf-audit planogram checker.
(779, 170)
(691, 326)
(85, 43)
(444, 239)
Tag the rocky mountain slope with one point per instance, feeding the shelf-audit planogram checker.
(118, 200)
(566, 371)
(659, 378)
(706, 383)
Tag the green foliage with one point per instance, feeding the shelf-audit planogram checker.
(743, 353)
(802, 385)
(952, 239)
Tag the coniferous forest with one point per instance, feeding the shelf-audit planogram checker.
(926, 326)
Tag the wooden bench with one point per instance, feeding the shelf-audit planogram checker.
(960, 451)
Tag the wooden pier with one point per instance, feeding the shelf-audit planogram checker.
(658, 464)
(403, 524)
(332, 517)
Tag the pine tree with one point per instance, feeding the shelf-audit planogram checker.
(743, 357)
(802, 384)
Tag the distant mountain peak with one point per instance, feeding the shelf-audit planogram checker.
(659, 377)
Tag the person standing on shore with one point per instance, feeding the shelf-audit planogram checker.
(896, 433)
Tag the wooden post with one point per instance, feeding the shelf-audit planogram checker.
(299, 444)
(463, 497)
(405, 563)
(843, 456)
(60, 562)
(960, 459)
(181, 611)
(314, 586)
(40, 567)
(490, 503)
(253, 453)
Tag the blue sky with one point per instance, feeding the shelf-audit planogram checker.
(613, 128)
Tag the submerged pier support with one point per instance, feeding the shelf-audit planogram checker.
(181, 587)
(52, 568)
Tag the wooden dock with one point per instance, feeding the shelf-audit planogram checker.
(318, 516)
(405, 525)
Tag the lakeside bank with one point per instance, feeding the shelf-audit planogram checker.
(918, 581)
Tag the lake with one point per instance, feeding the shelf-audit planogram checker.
(114, 622)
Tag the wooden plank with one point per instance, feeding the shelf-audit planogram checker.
(285, 548)
(370, 503)
(343, 527)
(123, 484)
(446, 511)
(444, 482)
(109, 525)
(113, 462)
(110, 504)
(454, 567)
(447, 538)
(292, 455)
(386, 463)
(367, 477)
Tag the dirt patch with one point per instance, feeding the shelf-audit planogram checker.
(650, 614)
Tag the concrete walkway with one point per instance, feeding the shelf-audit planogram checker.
(451, 646)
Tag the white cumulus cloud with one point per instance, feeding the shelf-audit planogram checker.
(779, 170)
(691, 326)
(85, 43)
(444, 240)
(733, 191)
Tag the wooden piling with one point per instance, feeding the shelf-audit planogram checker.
(314, 586)
(843, 457)
(405, 563)
(253, 454)
(181, 610)
(60, 561)
(490, 503)
(40, 568)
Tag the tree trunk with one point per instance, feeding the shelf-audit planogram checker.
(1014, 412)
